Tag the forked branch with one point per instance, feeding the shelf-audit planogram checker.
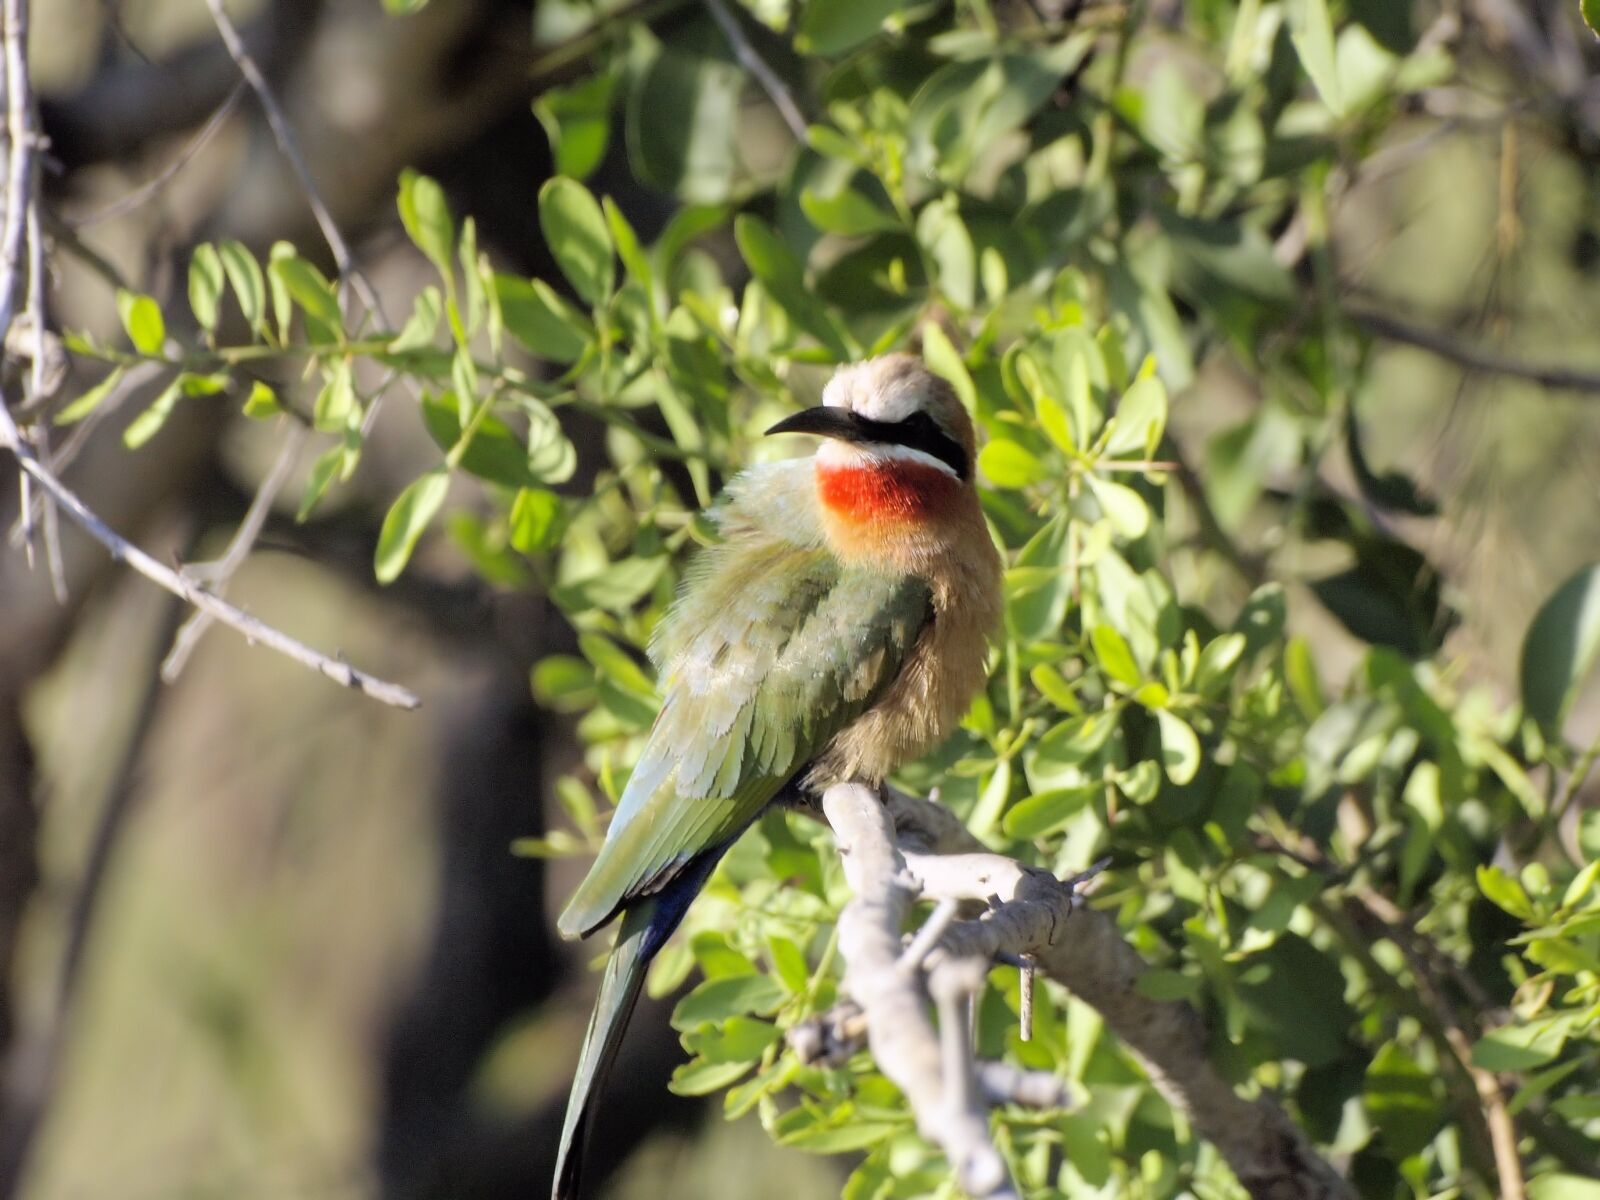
(909, 849)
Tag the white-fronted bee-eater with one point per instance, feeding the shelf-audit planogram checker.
(839, 629)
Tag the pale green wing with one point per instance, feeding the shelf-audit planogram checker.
(774, 648)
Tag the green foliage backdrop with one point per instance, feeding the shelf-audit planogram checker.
(1371, 887)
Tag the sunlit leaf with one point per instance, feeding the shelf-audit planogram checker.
(408, 517)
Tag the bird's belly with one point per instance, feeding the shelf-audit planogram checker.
(918, 711)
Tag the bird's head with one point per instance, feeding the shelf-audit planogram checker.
(894, 475)
(887, 411)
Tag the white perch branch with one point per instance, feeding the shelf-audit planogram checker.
(1082, 949)
(948, 1109)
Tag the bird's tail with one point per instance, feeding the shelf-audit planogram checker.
(619, 992)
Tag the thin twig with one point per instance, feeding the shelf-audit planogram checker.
(1447, 1026)
(928, 936)
(775, 88)
(22, 157)
(1573, 788)
(1469, 355)
(218, 573)
(19, 198)
(283, 133)
(58, 459)
(143, 193)
(254, 629)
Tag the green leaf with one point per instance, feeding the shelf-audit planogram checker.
(1007, 464)
(681, 123)
(616, 588)
(563, 683)
(1521, 1047)
(1115, 658)
(423, 323)
(262, 402)
(310, 289)
(496, 452)
(944, 239)
(839, 1139)
(1056, 757)
(832, 27)
(1123, 507)
(614, 663)
(425, 213)
(944, 360)
(701, 1078)
(535, 520)
(731, 996)
(1311, 32)
(1556, 1186)
(336, 399)
(1140, 419)
(577, 120)
(1591, 14)
(541, 320)
(846, 212)
(1218, 660)
(1560, 647)
(1402, 1100)
(780, 272)
(141, 320)
(329, 465)
(244, 276)
(575, 229)
(206, 280)
(789, 961)
(148, 423)
(1180, 748)
(91, 399)
(1163, 985)
(1054, 421)
(403, 8)
(1505, 891)
(737, 1040)
(634, 259)
(408, 516)
(1045, 812)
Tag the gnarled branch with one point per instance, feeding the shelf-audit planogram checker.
(908, 848)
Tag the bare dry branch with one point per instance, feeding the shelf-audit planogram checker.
(349, 272)
(1082, 949)
(217, 574)
(143, 193)
(1474, 358)
(903, 1039)
(19, 203)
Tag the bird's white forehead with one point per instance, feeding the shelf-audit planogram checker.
(867, 392)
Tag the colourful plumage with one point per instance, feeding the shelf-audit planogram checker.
(838, 629)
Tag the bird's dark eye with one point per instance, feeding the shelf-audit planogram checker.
(919, 431)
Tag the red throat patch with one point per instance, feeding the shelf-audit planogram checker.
(895, 491)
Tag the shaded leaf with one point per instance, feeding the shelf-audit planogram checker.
(1560, 647)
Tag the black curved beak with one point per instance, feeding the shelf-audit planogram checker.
(827, 422)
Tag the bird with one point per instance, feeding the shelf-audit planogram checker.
(839, 628)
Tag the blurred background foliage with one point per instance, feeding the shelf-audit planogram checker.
(1254, 303)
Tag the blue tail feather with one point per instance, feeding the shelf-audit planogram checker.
(647, 923)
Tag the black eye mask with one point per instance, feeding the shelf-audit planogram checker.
(919, 431)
